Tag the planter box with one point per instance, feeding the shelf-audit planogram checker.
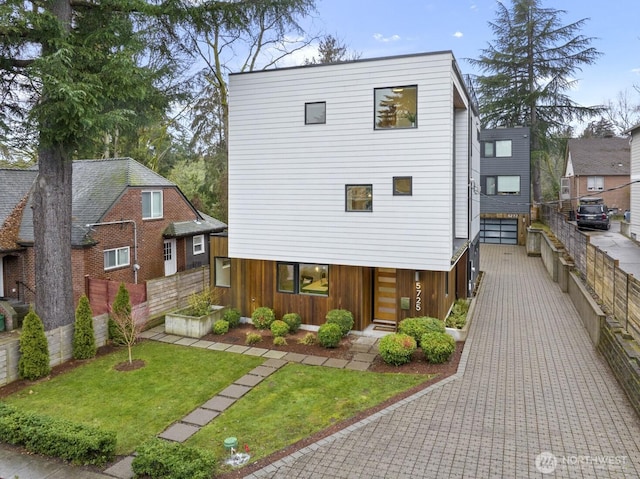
(461, 334)
(191, 326)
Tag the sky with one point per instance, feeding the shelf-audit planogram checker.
(376, 28)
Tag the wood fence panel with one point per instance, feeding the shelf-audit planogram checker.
(609, 266)
(102, 292)
(621, 299)
(172, 292)
(633, 308)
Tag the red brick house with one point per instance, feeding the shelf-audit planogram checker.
(129, 224)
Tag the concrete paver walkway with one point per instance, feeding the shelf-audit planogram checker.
(533, 397)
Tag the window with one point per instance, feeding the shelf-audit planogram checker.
(198, 244)
(315, 113)
(303, 278)
(396, 107)
(502, 185)
(151, 204)
(595, 183)
(116, 258)
(359, 197)
(496, 149)
(402, 185)
(223, 272)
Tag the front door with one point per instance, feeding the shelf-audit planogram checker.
(385, 295)
(170, 263)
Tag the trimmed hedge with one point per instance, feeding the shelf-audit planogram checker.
(262, 317)
(34, 349)
(293, 320)
(279, 328)
(397, 348)
(73, 442)
(232, 316)
(329, 335)
(416, 327)
(342, 318)
(171, 460)
(437, 347)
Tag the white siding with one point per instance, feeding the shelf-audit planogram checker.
(475, 174)
(635, 187)
(462, 173)
(287, 179)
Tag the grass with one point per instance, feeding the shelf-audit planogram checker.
(296, 402)
(138, 404)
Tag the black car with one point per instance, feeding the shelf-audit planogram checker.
(593, 216)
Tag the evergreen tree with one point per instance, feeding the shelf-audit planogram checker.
(528, 69)
(84, 341)
(34, 349)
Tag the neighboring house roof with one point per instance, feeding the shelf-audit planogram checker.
(189, 228)
(16, 184)
(598, 156)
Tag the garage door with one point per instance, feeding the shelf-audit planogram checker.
(499, 230)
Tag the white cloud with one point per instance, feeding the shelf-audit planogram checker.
(458, 34)
(636, 71)
(381, 38)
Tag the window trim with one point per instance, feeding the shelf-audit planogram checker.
(412, 124)
(349, 209)
(116, 250)
(397, 192)
(495, 149)
(307, 120)
(201, 245)
(223, 260)
(161, 213)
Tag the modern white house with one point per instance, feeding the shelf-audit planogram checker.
(352, 185)
(634, 223)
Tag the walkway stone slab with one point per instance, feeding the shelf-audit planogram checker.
(358, 365)
(234, 391)
(249, 380)
(314, 360)
(121, 469)
(237, 349)
(275, 362)
(364, 357)
(179, 432)
(263, 371)
(202, 344)
(186, 341)
(169, 338)
(272, 353)
(294, 357)
(219, 346)
(336, 363)
(256, 351)
(218, 403)
(200, 416)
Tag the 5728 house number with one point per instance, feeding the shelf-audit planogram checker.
(418, 296)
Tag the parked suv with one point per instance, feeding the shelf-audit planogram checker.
(593, 216)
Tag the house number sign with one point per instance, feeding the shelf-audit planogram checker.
(418, 296)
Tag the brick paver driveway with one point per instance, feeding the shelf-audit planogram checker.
(533, 398)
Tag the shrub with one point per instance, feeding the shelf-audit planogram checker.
(279, 328)
(458, 316)
(77, 443)
(279, 341)
(262, 317)
(232, 316)
(199, 304)
(437, 347)
(293, 320)
(342, 318)
(221, 327)
(171, 460)
(416, 327)
(84, 340)
(252, 338)
(397, 348)
(308, 339)
(329, 335)
(34, 349)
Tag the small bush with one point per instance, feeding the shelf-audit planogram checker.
(171, 460)
(84, 340)
(416, 327)
(437, 347)
(279, 328)
(279, 341)
(309, 339)
(342, 318)
(232, 316)
(69, 441)
(34, 349)
(221, 327)
(397, 348)
(262, 317)
(293, 320)
(329, 335)
(252, 338)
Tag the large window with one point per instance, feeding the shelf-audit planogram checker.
(315, 113)
(116, 258)
(595, 183)
(223, 272)
(502, 185)
(496, 149)
(359, 197)
(151, 204)
(303, 278)
(396, 107)
(198, 244)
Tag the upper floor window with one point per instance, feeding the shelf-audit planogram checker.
(315, 113)
(402, 186)
(595, 183)
(198, 244)
(151, 204)
(116, 258)
(502, 185)
(396, 107)
(496, 149)
(359, 197)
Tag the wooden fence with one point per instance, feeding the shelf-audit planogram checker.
(618, 290)
(172, 292)
(102, 292)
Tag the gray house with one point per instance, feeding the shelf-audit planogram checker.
(505, 183)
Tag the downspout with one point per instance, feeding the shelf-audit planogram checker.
(136, 266)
